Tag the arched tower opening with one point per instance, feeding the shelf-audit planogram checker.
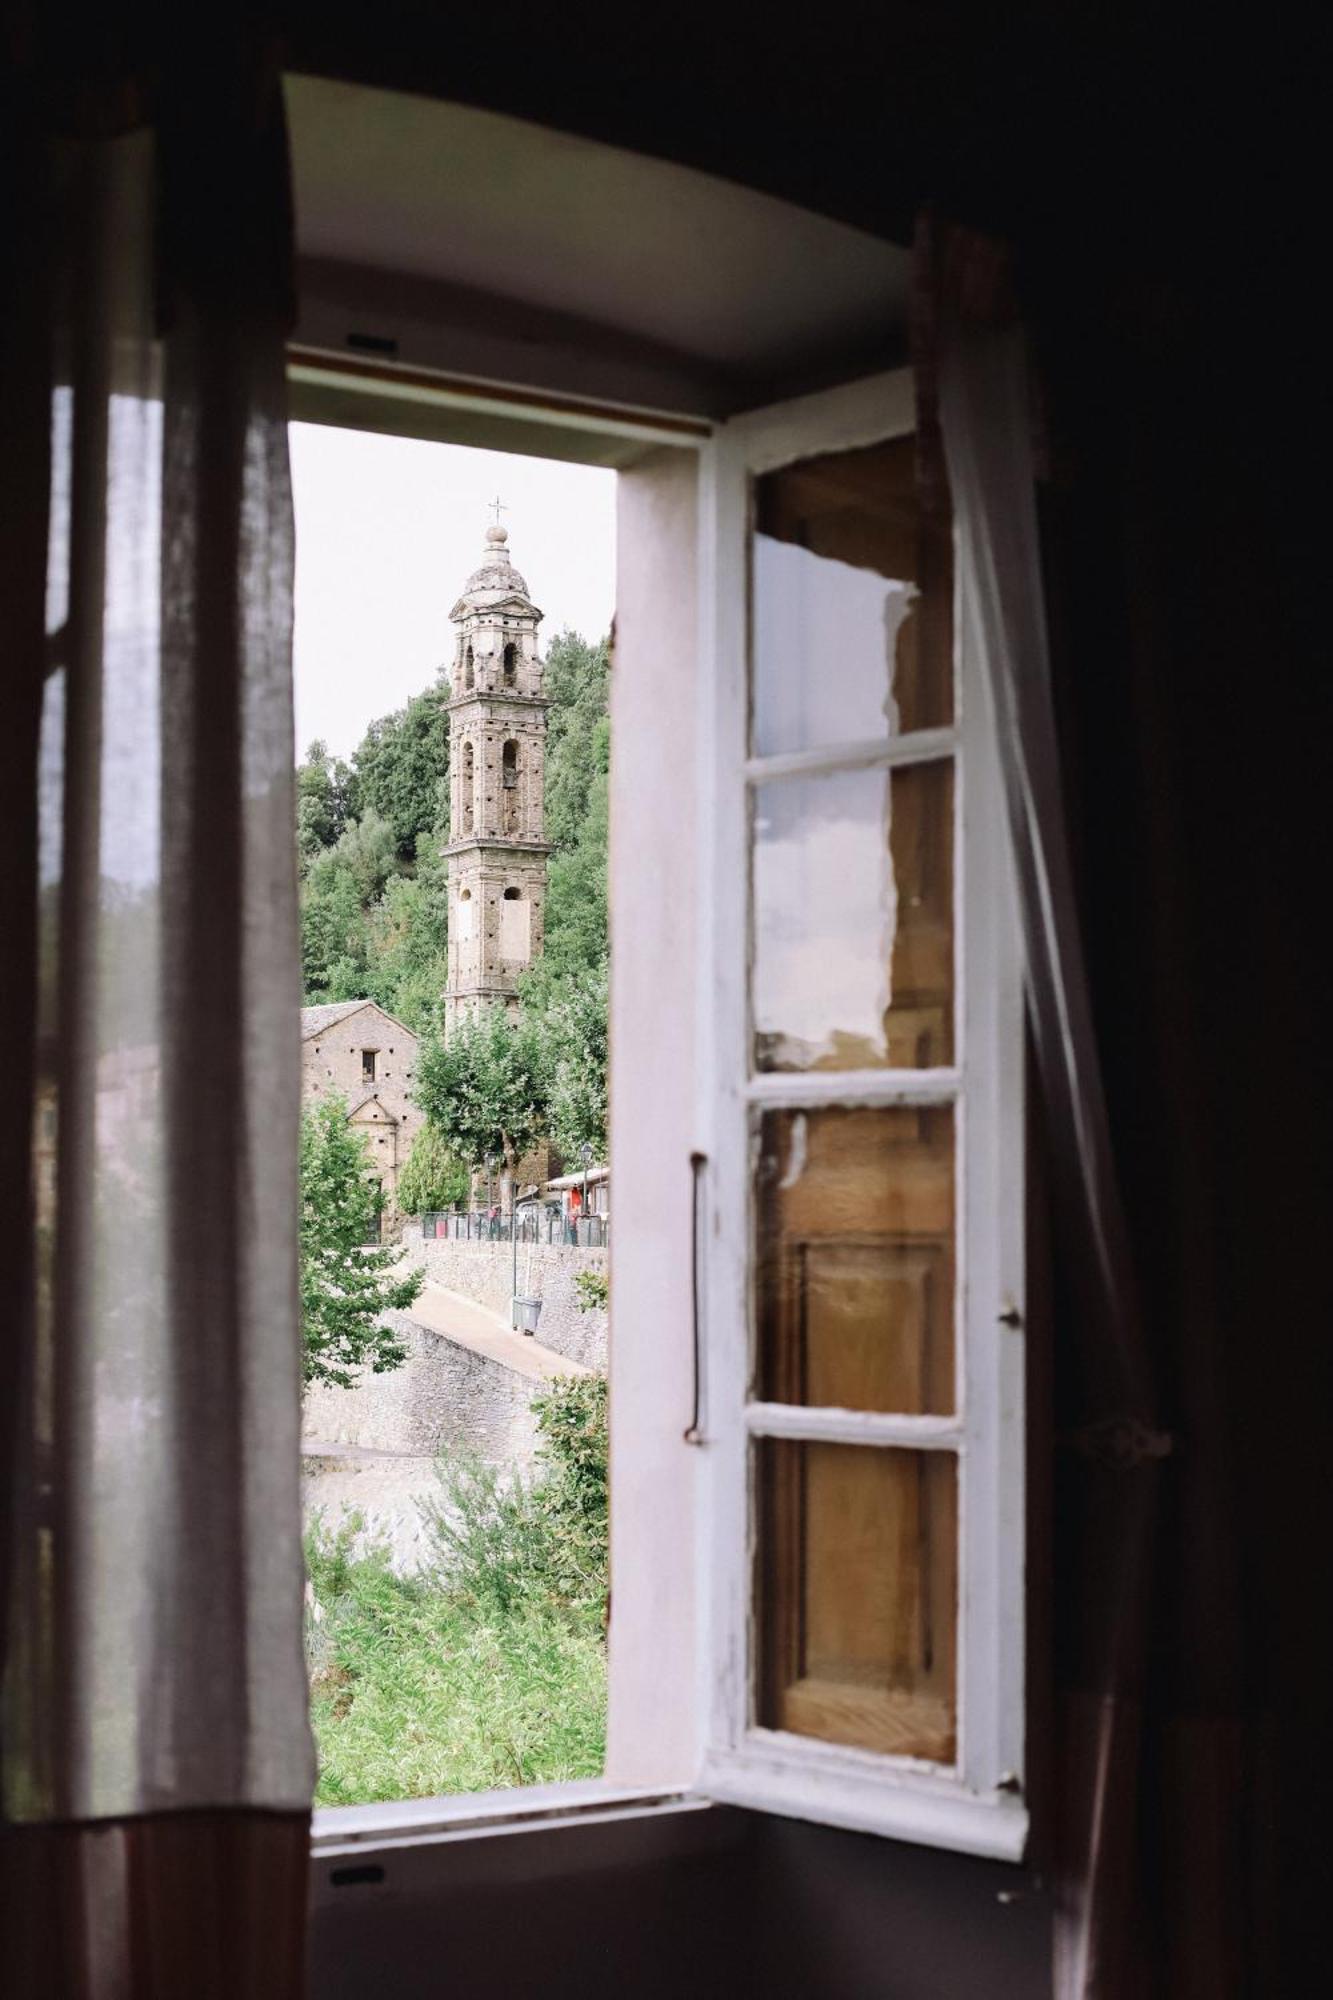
(468, 787)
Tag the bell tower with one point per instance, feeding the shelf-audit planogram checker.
(497, 743)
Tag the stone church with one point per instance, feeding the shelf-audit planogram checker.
(354, 1049)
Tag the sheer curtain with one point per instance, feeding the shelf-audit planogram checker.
(155, 1750)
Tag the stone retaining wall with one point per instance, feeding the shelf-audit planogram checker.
(443, 1398)
(484, 1272)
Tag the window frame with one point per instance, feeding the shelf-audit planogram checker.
(976, 1805)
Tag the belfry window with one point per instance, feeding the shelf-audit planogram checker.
(469, 783)
(469, 669)
(509, 765)
(510, 661)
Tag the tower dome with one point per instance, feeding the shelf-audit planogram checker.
(497, 576)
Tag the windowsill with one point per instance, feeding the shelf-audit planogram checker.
(397, 1822)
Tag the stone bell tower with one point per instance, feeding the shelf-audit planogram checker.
(497, 744)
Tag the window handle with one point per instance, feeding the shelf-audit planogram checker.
(698, 1165)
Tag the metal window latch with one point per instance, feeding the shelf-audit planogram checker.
(693, 1433)
(1009, 1315)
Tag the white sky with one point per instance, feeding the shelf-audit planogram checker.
(387, 532)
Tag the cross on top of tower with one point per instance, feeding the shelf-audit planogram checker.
(500, 508)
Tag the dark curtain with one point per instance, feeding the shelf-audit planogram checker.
(1183, 1693)
(155, 1751)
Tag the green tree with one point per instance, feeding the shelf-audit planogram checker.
(402, 769)
(340, 886)
(324, 787)
(406, 965)
(434, 1177)
(578, 686)
(347, 1284)
(484, 1088)
(569, 1017)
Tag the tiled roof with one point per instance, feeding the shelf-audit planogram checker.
(314, 1020)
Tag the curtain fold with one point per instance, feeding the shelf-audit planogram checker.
(985, 419)
(154, 1699)
(1072, 600)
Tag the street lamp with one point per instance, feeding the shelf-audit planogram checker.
(585, 1154)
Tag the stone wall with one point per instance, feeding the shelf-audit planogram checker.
(484, 1272)
(443, 1398)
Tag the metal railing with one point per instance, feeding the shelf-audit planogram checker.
(589, 1232)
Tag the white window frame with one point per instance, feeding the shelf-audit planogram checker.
(977, 1804)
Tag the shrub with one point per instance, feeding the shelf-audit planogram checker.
(509, 1543)
(594, 1290)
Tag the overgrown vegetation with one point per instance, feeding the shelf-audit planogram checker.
(488, 1669)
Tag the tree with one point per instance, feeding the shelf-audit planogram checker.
(402, 769)
(434, 1177)
(346, 1282)
(569, 1016)
(483, 1088)
(323, 801)
(406, 963)
(340, 886)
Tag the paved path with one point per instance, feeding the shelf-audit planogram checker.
(484, 1332)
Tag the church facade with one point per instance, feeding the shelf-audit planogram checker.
(497, 739)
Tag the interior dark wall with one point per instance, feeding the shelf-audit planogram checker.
(713, 1904)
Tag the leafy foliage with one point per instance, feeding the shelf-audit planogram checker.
(593, 1289)
(346, 1285)
(402, 769)
(418, 1687)
(510, 1544)
(434, 1178)
(484, 1087)
(324, 801)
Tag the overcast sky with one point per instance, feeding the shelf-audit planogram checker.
(388, 531)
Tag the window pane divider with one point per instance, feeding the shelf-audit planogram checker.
(809, 1090)
(918, 746)
(868, 1427)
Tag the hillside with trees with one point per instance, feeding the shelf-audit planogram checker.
(375, 911)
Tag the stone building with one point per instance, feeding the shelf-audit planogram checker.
(365, 1056)
(497, 848)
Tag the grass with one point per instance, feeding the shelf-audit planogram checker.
(490, 1669)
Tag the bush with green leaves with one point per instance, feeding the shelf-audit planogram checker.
(592, 1291)
(434, 1177)
(507, 1542)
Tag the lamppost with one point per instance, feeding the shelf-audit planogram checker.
(585, 1154)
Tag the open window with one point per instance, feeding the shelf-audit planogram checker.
(817, 1507)
(861, 1360)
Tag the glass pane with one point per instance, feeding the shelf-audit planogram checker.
(852, 602)
(854, 1266)
(856, 1582)
(853, 910)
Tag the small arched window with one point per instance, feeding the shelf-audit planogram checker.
(509, 765)
(510, 661)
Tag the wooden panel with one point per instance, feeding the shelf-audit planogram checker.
(855, 1259)
(857, 1590)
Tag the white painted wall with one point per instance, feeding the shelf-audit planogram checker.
(652, 1723)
